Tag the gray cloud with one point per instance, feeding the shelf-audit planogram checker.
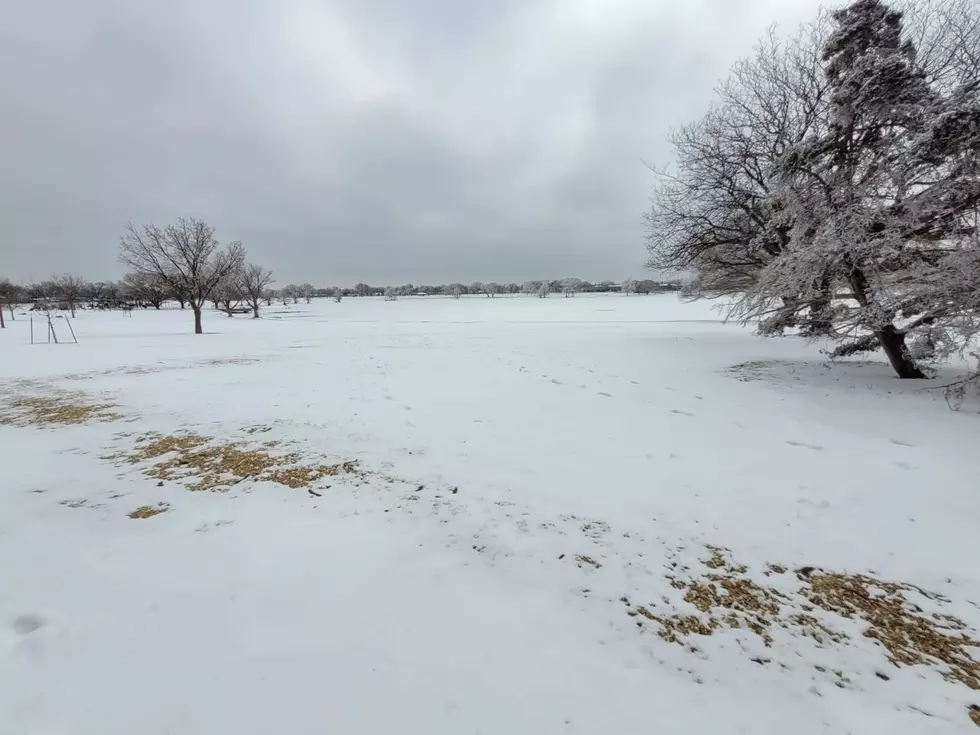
(355, 140)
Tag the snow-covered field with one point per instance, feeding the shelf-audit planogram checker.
(539, 497)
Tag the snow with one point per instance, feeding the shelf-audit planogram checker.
(609, 427)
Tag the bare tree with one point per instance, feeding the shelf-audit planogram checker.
(338, 294)
(254, 282)
(69, 289)
(185, 255)
(493, 289)
(543, 290)
(146, 289)
(362, 289)
(390, 294)
(306, 291)
(457, 289)
(629, 286)
(230, 293)
(9, 297)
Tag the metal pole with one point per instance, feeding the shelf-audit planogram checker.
(72, 330)
(32, 329)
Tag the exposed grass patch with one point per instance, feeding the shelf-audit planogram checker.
(582, 559)
(54, 409)
(910, 636)
(148, 511)
(724, 597)
(202, 463)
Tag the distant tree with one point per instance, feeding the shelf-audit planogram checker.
(362, 289)
(570, 287)
(457, 290)
(269, 295)
(69, 289)
(477, 287)
(10, 295)
(543, 290)
(390, 294)
(629, 285)
(230, 292)
(185, 255)
(306, 291)
(253, 283)
(530, 287)
(554, 286)
(493, 289)
(338, 294)
(143, 288)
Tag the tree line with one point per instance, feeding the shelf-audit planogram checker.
(834, 186)
(184, 262)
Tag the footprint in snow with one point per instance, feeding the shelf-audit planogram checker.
(900, 443)
(814, 447)
(603, 393)
(681, 413)
(556, 382)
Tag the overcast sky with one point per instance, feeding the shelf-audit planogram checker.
(355, 140)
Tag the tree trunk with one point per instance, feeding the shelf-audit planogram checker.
(893, 343)
(891, 340)
(198, 329)
(2, 325)
(72, 308)
(11, 307)
(255, 311)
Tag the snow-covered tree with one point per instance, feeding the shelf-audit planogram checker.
(362, 289)
(829, 188)
(570, 286)
(390, 294)
(543, 290)
(493, 289)
(530, 287)
(876, 198)
(338, 294)
(306, 291)
(629, 286)
(457, 289)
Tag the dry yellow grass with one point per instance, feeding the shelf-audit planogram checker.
(726, 598)
(61, 408)
(909, 636)
(148, 511)
(201, 463)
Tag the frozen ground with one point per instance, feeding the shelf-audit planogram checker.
(537, 486)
